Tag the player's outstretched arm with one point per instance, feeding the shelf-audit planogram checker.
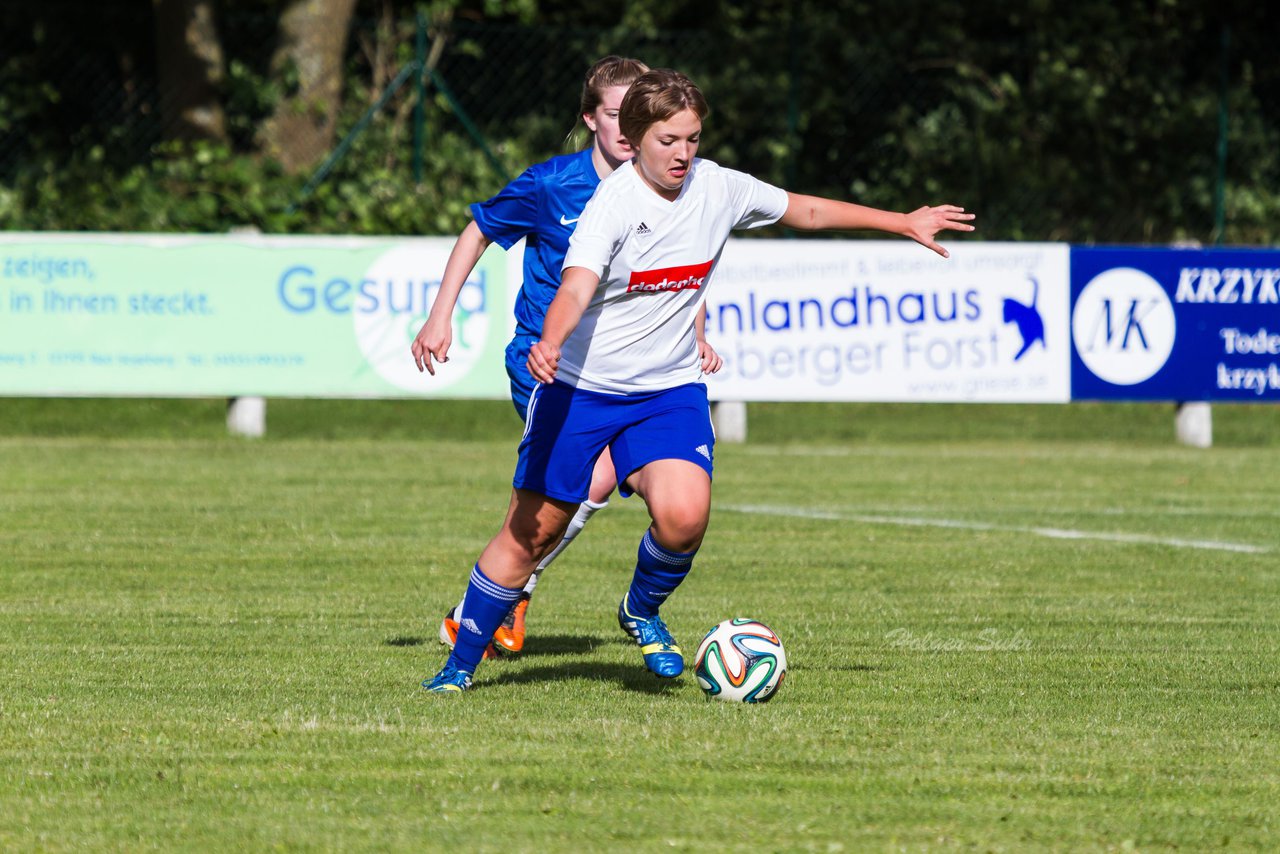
(572, 298)
(436, 334)
(813, 213)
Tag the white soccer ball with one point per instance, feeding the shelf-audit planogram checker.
(740, 661)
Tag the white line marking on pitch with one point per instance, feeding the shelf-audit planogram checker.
(1053, 533)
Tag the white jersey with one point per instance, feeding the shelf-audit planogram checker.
(655, 259)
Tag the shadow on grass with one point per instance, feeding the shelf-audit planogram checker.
(537, 645)
(632, 677)
(404, 640)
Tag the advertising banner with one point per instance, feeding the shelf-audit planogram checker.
(228, 316)
(1181, 325)
(861, 320)
(823, 320)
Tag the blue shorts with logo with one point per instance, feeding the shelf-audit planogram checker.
(567, 428)
(522, 382)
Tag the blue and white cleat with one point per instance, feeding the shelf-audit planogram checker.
(661, 653)
(449, 680)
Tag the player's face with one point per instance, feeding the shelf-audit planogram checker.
(603, 121)
(666, 153)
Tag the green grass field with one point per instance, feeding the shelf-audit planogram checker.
(1009, 628)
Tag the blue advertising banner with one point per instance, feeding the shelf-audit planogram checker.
(1175, 324)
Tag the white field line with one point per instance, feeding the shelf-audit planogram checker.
(1052, 533)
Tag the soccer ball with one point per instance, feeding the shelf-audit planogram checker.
(740, 661)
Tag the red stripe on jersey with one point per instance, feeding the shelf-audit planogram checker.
(688, 278)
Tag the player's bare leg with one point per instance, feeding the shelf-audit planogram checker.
(533, 526)
(510, 635)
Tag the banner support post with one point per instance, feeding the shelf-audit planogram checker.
(247, 416)
(1194, 424)
(729, 419)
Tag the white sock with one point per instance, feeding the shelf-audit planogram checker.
(586, 510)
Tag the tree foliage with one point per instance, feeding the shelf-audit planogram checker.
(1075, 120)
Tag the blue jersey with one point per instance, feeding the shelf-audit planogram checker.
(542, 205)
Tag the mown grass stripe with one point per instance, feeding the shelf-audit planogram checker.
(1052, 533)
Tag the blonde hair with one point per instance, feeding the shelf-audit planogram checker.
(656, 96)
(604, 73)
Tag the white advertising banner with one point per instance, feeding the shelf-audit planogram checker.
(825, 320)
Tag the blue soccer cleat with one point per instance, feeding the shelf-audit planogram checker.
(661, 653)
(450, 680)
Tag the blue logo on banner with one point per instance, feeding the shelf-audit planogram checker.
(1027, 319)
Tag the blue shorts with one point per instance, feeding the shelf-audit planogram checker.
(567, 429)
(522, 382)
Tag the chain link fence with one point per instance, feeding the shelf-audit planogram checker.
(810, 107)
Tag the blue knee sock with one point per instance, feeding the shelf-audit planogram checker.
(658, 573)
(487, 606)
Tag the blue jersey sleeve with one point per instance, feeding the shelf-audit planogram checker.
(512, 214)
(541, 206)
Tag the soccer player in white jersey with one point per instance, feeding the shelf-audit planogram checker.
(618, 363)
(542, 207)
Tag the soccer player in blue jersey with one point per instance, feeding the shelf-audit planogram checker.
(617, 363)
(541, 206)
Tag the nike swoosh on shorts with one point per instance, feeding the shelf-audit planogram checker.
(564, 221)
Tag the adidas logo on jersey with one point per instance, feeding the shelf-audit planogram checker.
(705, 451)
(643, 230)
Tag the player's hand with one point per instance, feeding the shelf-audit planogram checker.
(711, 361)
(433, 340)
(924, 223)
(544, 362)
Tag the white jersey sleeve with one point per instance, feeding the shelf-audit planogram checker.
(600, 231)
(756, 203)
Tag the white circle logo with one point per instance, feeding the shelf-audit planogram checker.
(1123, 326)
(395, 298)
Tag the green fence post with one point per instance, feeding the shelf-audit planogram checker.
(419, 108)
(1220, 186)
(469, 125)
(337, 154)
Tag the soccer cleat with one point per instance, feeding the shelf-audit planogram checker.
(510, 635)
(450, 680)
(661, 653)
(449, 635)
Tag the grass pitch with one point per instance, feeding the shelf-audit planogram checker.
(1009, 628)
